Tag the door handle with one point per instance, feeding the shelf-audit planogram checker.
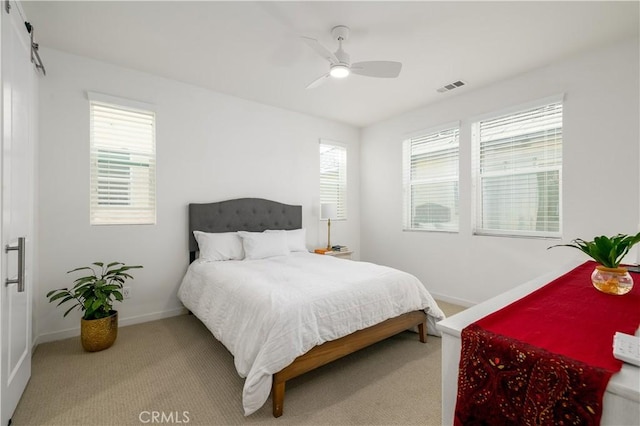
(21, 253)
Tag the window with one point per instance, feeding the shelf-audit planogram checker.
(430, 177)
(333, 176)
(123, 163)
(518, 159)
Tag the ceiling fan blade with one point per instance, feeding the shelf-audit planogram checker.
(317, 82)
(320, 49)
(384, 69)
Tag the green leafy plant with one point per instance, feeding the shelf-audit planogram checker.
(94, 293)
(607, 251)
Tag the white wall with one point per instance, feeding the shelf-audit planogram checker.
(210, 147)
(600, 176)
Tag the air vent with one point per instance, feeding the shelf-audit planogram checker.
(451, 86)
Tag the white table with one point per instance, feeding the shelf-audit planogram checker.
(621, 400)
(340, 254)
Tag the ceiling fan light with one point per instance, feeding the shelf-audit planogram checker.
(339, 71)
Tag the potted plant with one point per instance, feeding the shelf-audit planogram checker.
(608, 276)
(94, 294)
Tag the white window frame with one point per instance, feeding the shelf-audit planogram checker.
(132, 198)
(409, 182)
(478, 175)
(334, 192)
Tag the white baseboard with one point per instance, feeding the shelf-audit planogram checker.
(454, 300)
(122, 322)
(151, 317)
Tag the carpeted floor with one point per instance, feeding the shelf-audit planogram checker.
(175, 370)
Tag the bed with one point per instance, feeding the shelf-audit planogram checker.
(283, 315)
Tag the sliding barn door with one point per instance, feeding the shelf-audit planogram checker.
(19, 89)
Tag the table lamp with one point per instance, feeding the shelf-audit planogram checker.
(328, 211)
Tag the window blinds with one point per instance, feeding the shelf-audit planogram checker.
(122, 156)
(519, 171)
(430, 176)
(333, 176)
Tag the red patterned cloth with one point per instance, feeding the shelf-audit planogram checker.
(545, 359)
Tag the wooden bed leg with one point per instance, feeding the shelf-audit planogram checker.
(422, 331)
(277, 394)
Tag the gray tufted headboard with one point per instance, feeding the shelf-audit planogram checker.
(242, 214)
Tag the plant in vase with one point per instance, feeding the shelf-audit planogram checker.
(94, 294)
(608, 277)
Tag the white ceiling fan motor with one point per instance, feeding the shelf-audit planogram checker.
(341, 69)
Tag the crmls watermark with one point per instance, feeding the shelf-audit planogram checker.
(171, 417)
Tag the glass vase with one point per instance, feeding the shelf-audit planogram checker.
(612, 280)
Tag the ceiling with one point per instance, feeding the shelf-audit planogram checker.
(253, 50)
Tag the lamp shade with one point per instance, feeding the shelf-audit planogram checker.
(328, 211)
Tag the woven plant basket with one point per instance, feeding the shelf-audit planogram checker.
(99, 334)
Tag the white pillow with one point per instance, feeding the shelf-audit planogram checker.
(219, 246)
(258, 245)
(296, 239)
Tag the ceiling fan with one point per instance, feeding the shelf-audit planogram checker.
(340, 65)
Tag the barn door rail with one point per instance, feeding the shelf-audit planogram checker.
(35, 56)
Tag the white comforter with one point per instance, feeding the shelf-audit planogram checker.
(268, 312)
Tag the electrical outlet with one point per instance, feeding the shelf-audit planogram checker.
(126, 292)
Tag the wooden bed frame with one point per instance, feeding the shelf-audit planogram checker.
(335, 349)
(257, 215)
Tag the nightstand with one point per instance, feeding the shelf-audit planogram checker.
(340, 254)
